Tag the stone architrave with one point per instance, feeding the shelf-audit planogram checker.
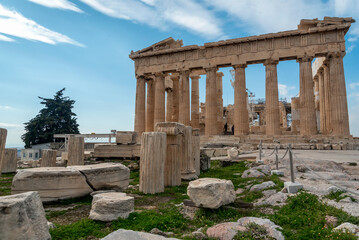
(219, 86)
(160, 99)
(175, 90)
(153, 155)
(172, 167)
(308, 122)
(75, 150)
(211, 103)
(339, 105)
(3, 134)
(295, 110)
(241, 122)
(48, 158)
(272, 102)
(9, 163)
(195, 102)
(140, 111)
(196, 152)
(188, 171)
(23, 217)
(150, 105)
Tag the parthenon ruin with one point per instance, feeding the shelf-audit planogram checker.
(320, 110)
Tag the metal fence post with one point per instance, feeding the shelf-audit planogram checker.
(260, 150)
(291, 163)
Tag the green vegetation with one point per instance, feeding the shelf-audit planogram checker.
(5, 183)
(254, 232)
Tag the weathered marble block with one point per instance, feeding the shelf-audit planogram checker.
(75, 151)
(48, 158)
(188, 171)
(52, 183)
(3, 134)
(102, 176)
(123, 137)
(22, 216)
(9, 163)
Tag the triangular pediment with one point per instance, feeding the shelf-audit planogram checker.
(168, 43)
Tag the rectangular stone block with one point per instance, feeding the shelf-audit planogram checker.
(126, 137)
(9, 163)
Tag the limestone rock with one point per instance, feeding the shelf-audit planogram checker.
(232, 153)
(110, 206)
(251, 173)
(133, 235)
(22, 217)
(262, 186)
(205, 162)
(52, 183)
(126, 137)
(344, 227)
(269, 193)
(211, 192)
(263, 168)
(225, 231)
(9, 162)
(266, 223)
(277, 199)
(106, 175)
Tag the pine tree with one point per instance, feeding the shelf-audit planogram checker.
(55, 118)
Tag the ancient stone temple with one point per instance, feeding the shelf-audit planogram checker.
(320, 110)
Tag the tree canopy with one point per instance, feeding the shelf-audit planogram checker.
(55, 118)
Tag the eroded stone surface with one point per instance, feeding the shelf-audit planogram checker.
(225, 231)
(266, 223)
(22, 217)
(133, 235)
(262, 186)
(211, 192)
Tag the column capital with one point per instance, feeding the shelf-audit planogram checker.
(160, 74)
(195, 77)
(208, 69)
(336, 54)
(270, 61)
(304, 58)
(239, 66)
(174, 76)
(220, 74)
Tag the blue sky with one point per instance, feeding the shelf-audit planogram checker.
(83, 45)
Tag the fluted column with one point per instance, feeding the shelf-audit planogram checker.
(150, 105)
(308, 121)
(211, 103)
(272, 103)
(184, 109)
(219, 86)
(340, 118)
(241, 123)
(175, 92)
(160, 98)
(195, 102)
(169, 105)
(316, 101)
(140, 109)
(295, 111)
(322, 114)
(327, 93)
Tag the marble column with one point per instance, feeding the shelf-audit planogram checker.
(316, 101)
(241, 123)
(140, 109)
(184, 106)
(195, 102)
(150, 105)
(175, 92)
(327, 97)
(272, 103)
(211, 103)
(219, 86)
(308, 122)
(339, 105)
(322, 114)
(295, 111)
(169, 105)
(3, 134)
(160, 99)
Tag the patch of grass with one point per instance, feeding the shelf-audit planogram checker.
(53, 214)
(254, 232)
(353, 164)
(248, 196)
(135, 176)
(79, 201)
(5, 183)
(304, 218)
(335, 196)
(82, 229)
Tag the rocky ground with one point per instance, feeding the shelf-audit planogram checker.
(271, 213)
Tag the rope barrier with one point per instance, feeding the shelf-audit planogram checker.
(285, 154)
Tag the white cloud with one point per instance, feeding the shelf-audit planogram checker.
(60, 4)
(162, 14)
(14, 24)
(6, 39)
(9, 125)
(284, 91)
(354, 85)
(6, 107)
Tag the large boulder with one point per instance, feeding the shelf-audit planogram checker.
(114, 176)
(22, 217)
(271, 227)
(110, 206)
(211, 192)
(52, 183)
(133, 235)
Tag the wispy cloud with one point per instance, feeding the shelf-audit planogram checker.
(285, 91)
(354, 85)
(163, 14)
(60, 4)
(14, 24)
(6, 39)
(9, 125)
(6, 107)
